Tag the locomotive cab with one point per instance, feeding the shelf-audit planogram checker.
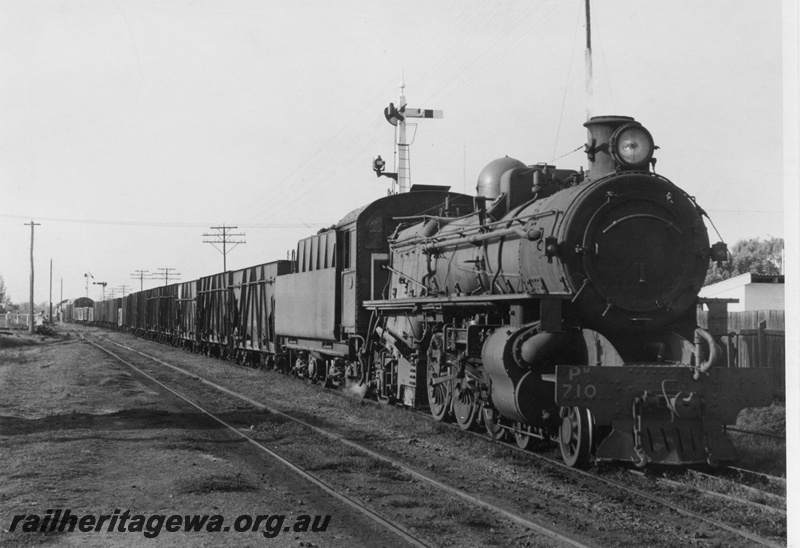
(335, 272)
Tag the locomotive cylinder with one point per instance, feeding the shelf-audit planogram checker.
(515, 361)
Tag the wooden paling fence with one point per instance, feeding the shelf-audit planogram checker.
(14, 320)
(757, 338)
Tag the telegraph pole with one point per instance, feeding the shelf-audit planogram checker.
(123, 288)
(588, 62)
(166, 274)
(223, 237)
(50, 314)
(32, 224)
(139, 274)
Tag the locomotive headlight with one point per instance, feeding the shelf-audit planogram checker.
(632, 146)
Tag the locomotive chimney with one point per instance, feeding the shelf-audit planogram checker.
(617, 143)
(598, 145)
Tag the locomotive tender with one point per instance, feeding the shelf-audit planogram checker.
(555, 305)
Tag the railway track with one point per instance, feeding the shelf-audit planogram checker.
(776, 502)
(403, 532)
(778, 506)
(753, 433)
(294, 467)
(776, 486)
(775, 480)
(518, 517)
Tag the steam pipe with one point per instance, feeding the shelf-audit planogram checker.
(714, 352)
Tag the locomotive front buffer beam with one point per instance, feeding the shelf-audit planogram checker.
(662, 415)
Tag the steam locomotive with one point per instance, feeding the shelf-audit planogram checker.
(554, 306)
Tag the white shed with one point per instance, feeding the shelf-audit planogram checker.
(754, 291)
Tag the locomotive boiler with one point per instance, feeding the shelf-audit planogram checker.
(555, 306)
(564, 309)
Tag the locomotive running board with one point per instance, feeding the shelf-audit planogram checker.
(661, 415)
(463, 300)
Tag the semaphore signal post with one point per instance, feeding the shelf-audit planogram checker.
(397, 117)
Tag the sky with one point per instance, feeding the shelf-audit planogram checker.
(129, 128)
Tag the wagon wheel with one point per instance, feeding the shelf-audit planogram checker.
(316, 369)
(334, 374)
(330, 378)
(575, 436)
(465, 406)
(522, 436)
(282, 364)
(491, 420)
(440, 392)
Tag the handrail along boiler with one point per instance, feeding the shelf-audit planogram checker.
(564, 309)
(554, 306)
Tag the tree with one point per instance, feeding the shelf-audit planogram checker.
(753, 255)
(5, 299)
(25, 308)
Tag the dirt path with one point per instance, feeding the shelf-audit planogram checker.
(78, 430)
(88, 436)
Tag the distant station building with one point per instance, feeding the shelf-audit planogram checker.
(754, 291)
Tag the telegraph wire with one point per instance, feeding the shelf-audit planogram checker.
(284, 191)
(307, 184)
(165, 224)
(566, 87)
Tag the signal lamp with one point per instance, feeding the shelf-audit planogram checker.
(378, 165)
(632, 146)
